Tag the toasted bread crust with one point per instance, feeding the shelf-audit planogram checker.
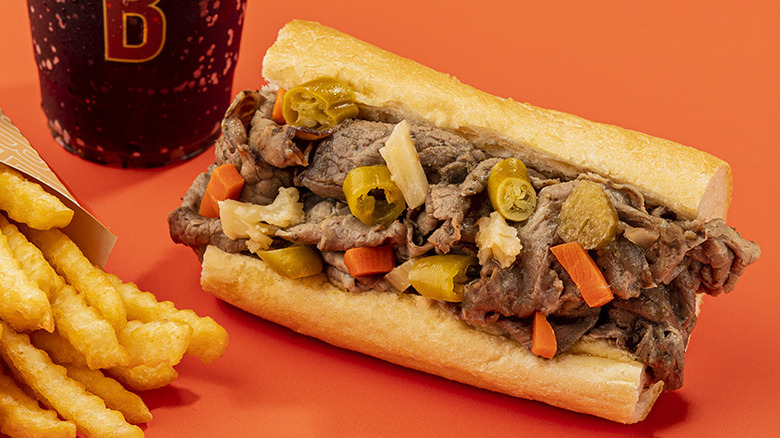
(416, 333)
(689, 182)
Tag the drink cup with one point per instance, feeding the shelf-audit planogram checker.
(136, 83)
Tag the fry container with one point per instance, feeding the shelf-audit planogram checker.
(94, 239)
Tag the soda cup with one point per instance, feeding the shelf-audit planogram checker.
(136, 83)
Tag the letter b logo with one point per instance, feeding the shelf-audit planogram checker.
(134, 30)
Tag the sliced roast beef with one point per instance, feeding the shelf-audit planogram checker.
(424, 224)
(476, 181)
(660, 346)
(446, 204)
(568, 330)
(625, 268)
(723, 256)
(655, 285)
(276, 143)
(530, 284)
(653, 305)
(262, 181)
(445, 157)
(339, 233)
(187, 227)
(356, 144)
(622, 194)
(655, 266)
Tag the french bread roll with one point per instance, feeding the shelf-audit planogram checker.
(687, 181)
(592, 377)
(409, 330)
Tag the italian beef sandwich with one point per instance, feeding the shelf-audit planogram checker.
(383, 207)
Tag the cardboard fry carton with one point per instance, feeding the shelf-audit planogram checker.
(94, 239)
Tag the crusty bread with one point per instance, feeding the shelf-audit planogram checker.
(592, 377)
(415, 332)
(687, 181)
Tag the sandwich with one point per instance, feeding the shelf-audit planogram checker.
(381, 206)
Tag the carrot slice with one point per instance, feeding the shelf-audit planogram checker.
(276, 114)
(225, 183)
(366, 260)
(584, 272)
(543, 339)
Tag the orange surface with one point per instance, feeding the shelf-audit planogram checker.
(703, 73)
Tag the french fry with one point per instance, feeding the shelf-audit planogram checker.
(65, 395)
(113, 393)
(68, 260)
(86, 330)
(139, 378)
(31, 259)
(22, 417)
(144, 377)
(154, 343)
(23, 304)
(75, 338)
(27, 202)
(58, 348)
(209, 339)
(81, 324)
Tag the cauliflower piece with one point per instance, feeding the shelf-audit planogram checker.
(243, 220)
(497, 240)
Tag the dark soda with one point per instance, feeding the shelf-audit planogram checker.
(140, 83)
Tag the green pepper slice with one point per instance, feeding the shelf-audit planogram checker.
(293, 261)
(319, 104)
(372, 196)
(510, 190)
(442, 277)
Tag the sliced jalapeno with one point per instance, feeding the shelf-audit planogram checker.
(442, 277)
(372, 195)
(319, 104)
(293, 261)
(510, 190)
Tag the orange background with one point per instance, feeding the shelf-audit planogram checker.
(701, 73)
